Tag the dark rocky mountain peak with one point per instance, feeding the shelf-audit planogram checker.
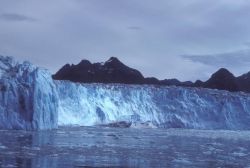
(67, 66)
(113, 60)
(244, 82)
(112, 71)
(222, 80)
(245, 76)
(222, 73)
(198, 83)
(84, 63)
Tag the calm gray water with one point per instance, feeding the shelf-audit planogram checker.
(124, 147)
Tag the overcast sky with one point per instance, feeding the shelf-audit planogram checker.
(185, 39)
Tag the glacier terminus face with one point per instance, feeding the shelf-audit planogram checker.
(28, 97)
(31, 100)
(161, 106)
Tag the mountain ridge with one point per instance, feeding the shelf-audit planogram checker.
(114, 71)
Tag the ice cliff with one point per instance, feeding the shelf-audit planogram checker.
(31, 100)
(28, 97)
(166, 107)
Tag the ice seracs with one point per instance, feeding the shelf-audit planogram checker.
(28, 97)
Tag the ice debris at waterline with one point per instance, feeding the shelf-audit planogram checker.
(31, 100)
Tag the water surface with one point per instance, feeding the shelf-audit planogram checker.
(124, 147)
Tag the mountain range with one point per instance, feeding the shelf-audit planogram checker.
(114, 71)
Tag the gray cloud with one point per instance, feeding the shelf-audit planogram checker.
(16, 17)
(147, 35)
(238, 61)
(135, 28)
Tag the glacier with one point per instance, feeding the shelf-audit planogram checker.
(28, 97)
(31, 100)
(162, 106)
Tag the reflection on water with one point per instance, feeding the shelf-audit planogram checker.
(117, 147)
